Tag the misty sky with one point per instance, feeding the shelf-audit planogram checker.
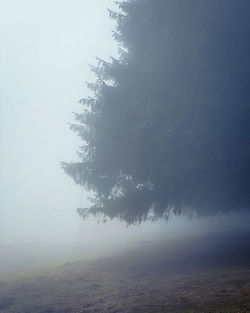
(46, 47)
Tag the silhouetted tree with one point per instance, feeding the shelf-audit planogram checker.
(168, 125)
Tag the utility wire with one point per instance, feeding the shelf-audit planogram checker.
(35, 211)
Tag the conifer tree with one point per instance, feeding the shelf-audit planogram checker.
(168, 125)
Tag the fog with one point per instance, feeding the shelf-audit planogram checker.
(45, 51)
(54, 261)
(46, 47)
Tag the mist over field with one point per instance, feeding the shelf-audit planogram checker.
(43, 69)
(124, 165)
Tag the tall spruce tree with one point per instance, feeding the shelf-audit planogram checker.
(168, 125)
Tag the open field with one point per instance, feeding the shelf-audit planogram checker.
(203, 274)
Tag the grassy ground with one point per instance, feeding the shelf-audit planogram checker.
(194, 275)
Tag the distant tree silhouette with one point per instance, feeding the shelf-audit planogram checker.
(168, 126)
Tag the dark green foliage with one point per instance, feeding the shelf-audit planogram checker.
(168, 126)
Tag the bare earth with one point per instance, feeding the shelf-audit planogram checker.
(205, 274)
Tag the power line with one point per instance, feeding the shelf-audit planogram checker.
(15, 211)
